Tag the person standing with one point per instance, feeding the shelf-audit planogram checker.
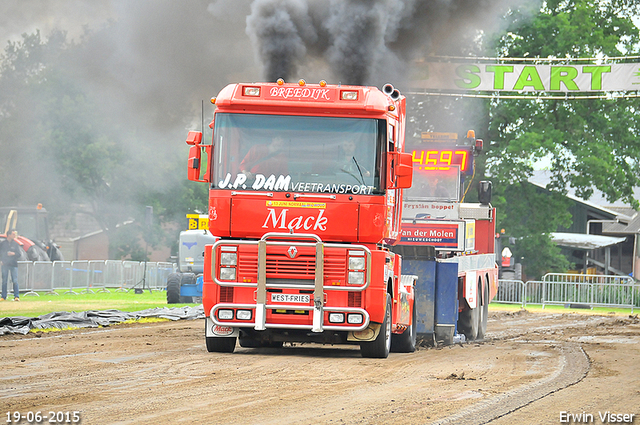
(9, 256)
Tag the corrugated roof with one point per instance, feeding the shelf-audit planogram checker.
(580, 201)
(629, 218)
(630, 224)
(543, 177)
(583, 241)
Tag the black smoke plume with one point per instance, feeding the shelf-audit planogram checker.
(367, 41)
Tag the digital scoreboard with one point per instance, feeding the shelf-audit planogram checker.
(440, 152)
(442, 158)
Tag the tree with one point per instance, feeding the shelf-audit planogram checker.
(60, 146)
(589, 143)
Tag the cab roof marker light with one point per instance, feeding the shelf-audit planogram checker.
(323, 83)
(251, 91)
(280, 81)
(349, 95)
(301, 82)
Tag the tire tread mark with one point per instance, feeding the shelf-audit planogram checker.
(574, 367)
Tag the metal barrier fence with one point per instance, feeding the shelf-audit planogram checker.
(561, 288)
(82, 276)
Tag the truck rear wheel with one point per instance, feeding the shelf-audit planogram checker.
(173, 288)
(484, 313)
(380, 347)
(406, 341)
(468, 323)
(219, 344)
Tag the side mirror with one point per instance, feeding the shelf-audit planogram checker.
(193, 166)
(403, 167)
(484, 192)
(194, 138)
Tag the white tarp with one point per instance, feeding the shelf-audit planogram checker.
(93, 319)
(498, 77)
(584, 241)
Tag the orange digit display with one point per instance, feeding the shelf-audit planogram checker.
(441, 159)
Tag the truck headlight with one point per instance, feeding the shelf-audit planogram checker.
(243, 314)
(356, 263)
(356, 278)
(228, 273)
(228, 258)
(354, 319)
(336, 317)
(225, 314)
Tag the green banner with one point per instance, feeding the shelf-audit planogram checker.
(528, 78)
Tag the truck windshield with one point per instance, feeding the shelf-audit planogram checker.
(298, 153)
(434, 185)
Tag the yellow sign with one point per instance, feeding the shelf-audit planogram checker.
(470, 235)
(198, 222)
(296, 204)
(430, 135)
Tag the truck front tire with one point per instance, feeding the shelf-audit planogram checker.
(380, 347)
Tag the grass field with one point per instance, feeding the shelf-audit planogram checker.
(34, 306)
(561, 309)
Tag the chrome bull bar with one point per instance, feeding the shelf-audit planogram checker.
(359, 327)
(318, 308)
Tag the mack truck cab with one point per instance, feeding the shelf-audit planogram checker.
(306, 184)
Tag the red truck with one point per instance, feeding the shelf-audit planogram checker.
(305, 195)
(449, 243)
(306, 198)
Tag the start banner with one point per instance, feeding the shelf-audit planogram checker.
(528, 78)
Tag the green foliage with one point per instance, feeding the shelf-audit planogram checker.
(589, 143)
(63, 146)
(523, 207)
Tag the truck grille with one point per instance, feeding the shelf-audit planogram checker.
(226, 294)
(280, 266)
(355, 299)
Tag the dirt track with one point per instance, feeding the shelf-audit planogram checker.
(531, 368)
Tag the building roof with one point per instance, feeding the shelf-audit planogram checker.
(584, 241)
(628, 218)
(629, 225)
(543, 177)
(573, 197)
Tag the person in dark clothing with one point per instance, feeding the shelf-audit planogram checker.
(9, 256)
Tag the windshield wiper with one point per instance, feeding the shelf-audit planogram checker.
(359, 170)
